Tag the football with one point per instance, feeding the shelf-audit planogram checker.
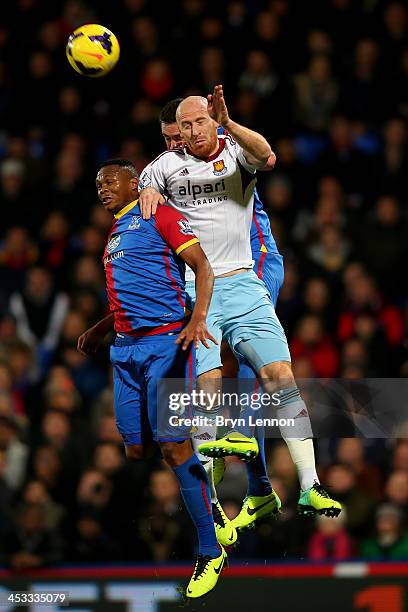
(92, 50)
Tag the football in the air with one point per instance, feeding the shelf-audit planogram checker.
(92, 50)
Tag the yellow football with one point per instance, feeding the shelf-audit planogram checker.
(92, 50)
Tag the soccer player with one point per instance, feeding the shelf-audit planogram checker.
(144, 267)
(225, 530)
(268, 265)
(211, 181)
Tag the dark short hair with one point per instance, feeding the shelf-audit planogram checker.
(168, 112)
(122, 163)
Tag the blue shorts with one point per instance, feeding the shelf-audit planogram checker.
(139, 365)
(241, 311)
(269, 268)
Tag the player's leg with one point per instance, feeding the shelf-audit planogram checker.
(278, 379)
(262, 342)
(127, 399)
(208, 376)
(169, 361)
(209, 381)
(257, 473)
(195, 491)
(269, 268)
(266, 503)
(258, 337)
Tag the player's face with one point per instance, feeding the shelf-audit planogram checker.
(171, 135)
(198, 130)
(116, 187)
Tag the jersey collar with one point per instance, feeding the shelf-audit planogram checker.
(126, 209)
(221, 145)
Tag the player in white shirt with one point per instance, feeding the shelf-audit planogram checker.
(211, 182)
(222, 188)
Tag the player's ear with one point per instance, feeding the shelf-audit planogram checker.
(134, 183)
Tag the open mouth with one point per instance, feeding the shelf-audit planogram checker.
(106, 200)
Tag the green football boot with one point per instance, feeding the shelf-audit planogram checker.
(218, 470)
(315, 500)
(224, 529)
(206, 573)
(255, 508)
(233, 443)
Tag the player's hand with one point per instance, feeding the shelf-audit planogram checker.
(149, 199)
(217, 109)
(89, 342)
(196, 332)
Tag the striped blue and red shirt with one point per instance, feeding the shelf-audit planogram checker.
(144, 274)
(262, 240)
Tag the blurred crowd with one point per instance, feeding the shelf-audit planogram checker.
(327, 83)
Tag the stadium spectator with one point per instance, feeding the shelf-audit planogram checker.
(350, 451)
(399, 460)
(6, 499)
(396, 492)
(359, 506)
(16, 453)
(330, 541)
(166, 533)
(390, 540)
(310, 341)
(31, 545)
(91, 543)
(35, 494)
(39, 311)
(315, 95)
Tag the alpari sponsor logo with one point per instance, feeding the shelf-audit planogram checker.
(113, 243)
(112, 257)
(216, 191)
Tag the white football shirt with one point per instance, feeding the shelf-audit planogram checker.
(215, 195)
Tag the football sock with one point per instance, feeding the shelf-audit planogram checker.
(298, 437)
(257, 474)
(258, 480)
(204, 434)
(196, 494)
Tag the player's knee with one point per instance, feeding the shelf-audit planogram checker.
(209, 383)
(277, 375)
(210, 374)
(176, 453)
(134, 452)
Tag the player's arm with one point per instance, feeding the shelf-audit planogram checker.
(176, 231)
(89, 342)
(256, 148)
(196, 330)
(151, 188)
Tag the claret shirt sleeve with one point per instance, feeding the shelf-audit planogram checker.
(174, 229)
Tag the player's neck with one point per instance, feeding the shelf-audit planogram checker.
(128, 203)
